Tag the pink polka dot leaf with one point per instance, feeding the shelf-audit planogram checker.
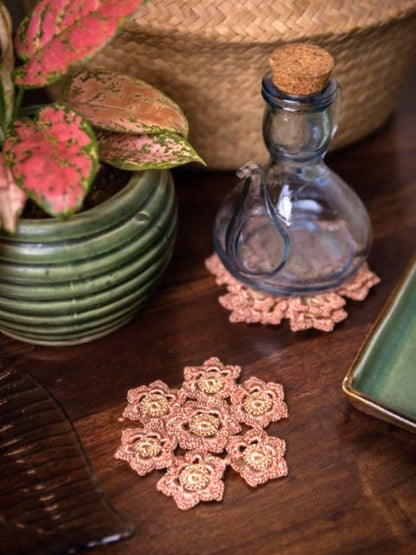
(53, 158)
(12, 198)
(138, 152)
(123, 104)
(51, 155)
(57, 35)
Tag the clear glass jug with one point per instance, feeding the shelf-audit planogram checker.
(293, 227)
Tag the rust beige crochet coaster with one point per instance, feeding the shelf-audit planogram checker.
(205, 419)
(321, 311)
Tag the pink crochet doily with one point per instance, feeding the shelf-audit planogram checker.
(321, 311)
(205, 418)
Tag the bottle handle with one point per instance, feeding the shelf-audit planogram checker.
(252, 196)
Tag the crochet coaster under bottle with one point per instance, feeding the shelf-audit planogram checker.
(204, 418)
(321, 311)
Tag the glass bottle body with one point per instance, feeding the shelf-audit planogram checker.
(293, 227)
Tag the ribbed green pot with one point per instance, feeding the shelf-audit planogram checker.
(63, 283)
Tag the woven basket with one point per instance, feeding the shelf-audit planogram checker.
(210, 56)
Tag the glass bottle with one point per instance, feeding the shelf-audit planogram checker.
(294, 227)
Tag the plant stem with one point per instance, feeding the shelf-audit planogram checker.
(18, 102)
(31, 110)
(2, 108)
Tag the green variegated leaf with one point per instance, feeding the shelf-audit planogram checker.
(140, 152)
(12, 198)
(61, 33)
(123, 104)
(6, 67)
(53, 158)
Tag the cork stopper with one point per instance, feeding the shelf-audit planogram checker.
(301, 69)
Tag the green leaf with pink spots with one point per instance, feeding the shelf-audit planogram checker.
(12, 198)
(6, 67)
(142, 152)
(123, 104)
(53, 158)
(61, 33)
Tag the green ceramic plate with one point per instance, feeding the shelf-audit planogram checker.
(382, 381)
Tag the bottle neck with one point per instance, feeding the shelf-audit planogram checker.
(299, 128)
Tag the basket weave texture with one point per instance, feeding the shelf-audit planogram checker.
(210, 56)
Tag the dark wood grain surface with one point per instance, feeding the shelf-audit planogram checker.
(50, 500)
(351, 486)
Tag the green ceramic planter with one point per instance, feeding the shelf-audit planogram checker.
(63, 283)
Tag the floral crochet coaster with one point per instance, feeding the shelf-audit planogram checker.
(205, 419)
(321, 311)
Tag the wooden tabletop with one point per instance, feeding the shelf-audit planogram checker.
(351, 486)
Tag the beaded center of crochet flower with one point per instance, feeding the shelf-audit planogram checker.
(147, 447)
(211, 383)
(257, 403)
(194, 477)
(154, 405)
(256, 457)
(204, 425)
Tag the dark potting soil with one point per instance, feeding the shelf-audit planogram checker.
(107, 183)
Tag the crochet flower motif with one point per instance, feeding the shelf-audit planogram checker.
(222, 276)
(257, 403)
(321, 311)
(156, 401)
(193, 478)
(246, 305)
(203, 417)
(148, 448)
(359, 286)
(211, 380)
(252, 307)
(203, 426)
(257, 457)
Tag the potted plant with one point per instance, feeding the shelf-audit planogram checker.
(76, 276)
